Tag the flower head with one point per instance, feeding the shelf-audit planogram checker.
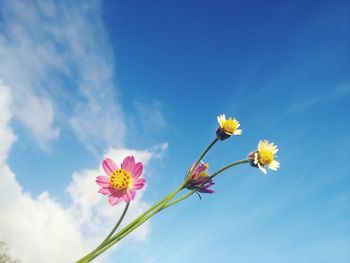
(199, 179)
(264, 156)
(227, 127)
(121, 183)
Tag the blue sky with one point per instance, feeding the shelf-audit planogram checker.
(83, 80)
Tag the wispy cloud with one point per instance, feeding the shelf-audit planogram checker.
(7, 137)
(340, 91)
(44, 223)
(150, 115)
(56, 57)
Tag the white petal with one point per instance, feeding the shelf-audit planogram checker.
(256, 158)
(273, 168)
(237, 132)
(221, 118)
(262, 168)
(274, 165)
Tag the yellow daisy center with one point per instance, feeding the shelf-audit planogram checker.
(229, 125)
(120, 179)
(266, 156)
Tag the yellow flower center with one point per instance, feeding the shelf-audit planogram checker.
(229, 125)
(120, 179)
(266, 156)
(203, 174)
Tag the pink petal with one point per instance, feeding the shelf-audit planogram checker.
(102, 181)
(113, 200)
(129, 195)
(207, 185)
(200, 168)
(106, 190)
(109, 166)
(128, 163)
(139, 183)
(137, 170)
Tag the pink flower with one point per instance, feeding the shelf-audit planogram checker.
(121, 183)
(200, 179)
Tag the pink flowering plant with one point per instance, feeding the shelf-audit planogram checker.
(122, 183)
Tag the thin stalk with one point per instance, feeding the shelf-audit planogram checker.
(114, 240)
(227, 167)
(178, 200)
(86, 259)
(109, 235)
(116, 226)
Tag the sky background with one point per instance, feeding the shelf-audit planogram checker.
(82, 80)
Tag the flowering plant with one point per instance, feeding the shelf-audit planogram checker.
(121, 184)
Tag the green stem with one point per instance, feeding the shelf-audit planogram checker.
(178, 200)
(116, 226)
(227, 167)
(150, 210)
(143, 220)
(85, 258)
(122, 231)
(126, 228)
(139, 218)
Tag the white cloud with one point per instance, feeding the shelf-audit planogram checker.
(40, 222)
(40, 123)
(56, 57)
(39, 229)
(6, 135)
(57, 69)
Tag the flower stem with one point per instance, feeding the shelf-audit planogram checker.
(116, 226)
(178, 200)
(227, 167)
(87, 257)
(116, 239)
